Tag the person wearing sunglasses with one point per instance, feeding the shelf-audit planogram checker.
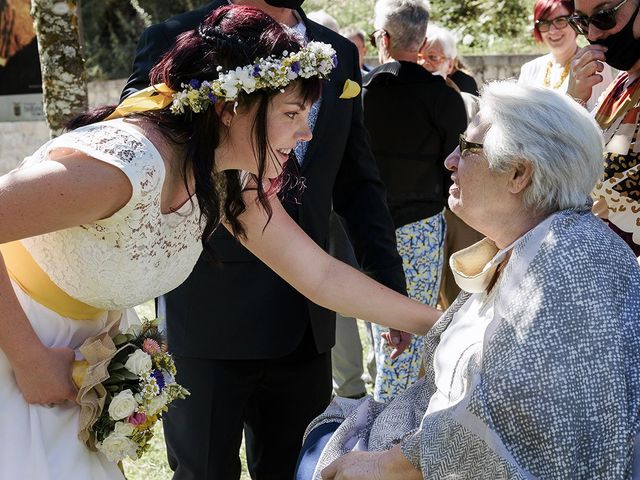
(551, 27)
(612, 28)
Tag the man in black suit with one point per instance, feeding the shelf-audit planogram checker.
(252, 350)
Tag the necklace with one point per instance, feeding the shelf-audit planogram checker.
(563, 75)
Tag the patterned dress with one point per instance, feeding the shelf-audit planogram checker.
(619, 189)
(421, 246)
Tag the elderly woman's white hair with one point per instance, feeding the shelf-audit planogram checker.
(550, 130)
(404, 20)
(437, 35)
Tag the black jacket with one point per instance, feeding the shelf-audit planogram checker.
(414, 120)
(243, 310)
(465, 82)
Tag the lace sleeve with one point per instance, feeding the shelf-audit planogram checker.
(124, 148)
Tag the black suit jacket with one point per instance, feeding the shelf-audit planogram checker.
(242, 309)
(429, 116)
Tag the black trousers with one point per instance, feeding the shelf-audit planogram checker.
(273, 400)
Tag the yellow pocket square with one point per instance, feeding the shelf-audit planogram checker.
(351, 89)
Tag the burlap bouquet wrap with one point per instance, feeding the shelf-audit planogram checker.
(90, 373)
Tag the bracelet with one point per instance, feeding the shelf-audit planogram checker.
(582, 103)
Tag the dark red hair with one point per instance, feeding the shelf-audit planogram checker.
(230, 37)
(541, 10)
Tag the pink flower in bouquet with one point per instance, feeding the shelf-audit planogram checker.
(150, 346)
(137, 418)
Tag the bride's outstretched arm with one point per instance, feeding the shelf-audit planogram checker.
(293, 255)
(72, 190)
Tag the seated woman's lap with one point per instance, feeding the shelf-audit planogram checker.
(312, 448)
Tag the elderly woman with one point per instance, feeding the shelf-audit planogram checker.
(532, 372)
(551, 27)
(440, 56)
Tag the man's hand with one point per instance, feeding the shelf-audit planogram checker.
(585, 71)
(398, 340)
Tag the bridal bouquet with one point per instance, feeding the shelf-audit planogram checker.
(126, 383)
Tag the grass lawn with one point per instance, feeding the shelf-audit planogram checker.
(153, 465)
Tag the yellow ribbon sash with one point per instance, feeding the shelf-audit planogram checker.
(155, 97)
(24, 270)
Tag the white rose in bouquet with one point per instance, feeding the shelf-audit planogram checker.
(117, 447)
(124, 428)
(156, 404)
(139, 362)
(122, 405)
(142, 371)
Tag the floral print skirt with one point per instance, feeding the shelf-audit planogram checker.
(421, 246)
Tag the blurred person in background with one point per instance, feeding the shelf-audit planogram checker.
(440, 56)
(414, 120)
(613, 30)
(551, 27)
(359, 38)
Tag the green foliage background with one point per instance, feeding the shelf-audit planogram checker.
(111, 28)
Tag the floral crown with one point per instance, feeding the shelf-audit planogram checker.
(315, 59)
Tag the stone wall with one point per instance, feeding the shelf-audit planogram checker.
(496, 67)
(19, 139)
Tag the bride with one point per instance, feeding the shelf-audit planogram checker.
(114, 212)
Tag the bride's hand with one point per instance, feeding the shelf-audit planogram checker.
(46, 379)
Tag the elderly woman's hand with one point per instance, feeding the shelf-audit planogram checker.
(387, 465)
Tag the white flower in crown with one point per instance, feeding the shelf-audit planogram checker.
(270, 73)
(246, 78)
(229, 85)
(179, 102)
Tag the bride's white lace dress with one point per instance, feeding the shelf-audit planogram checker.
(116, 263)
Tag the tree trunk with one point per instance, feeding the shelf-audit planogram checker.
(64, 80)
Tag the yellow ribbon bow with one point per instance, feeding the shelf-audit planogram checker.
(351, 89)
(155, 97)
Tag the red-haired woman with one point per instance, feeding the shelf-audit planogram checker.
(551, 27)
(115, 212)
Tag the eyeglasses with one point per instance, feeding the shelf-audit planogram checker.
(434, 58)
(558, 22)
(465, 145)
(373, 36)
(602, 20)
